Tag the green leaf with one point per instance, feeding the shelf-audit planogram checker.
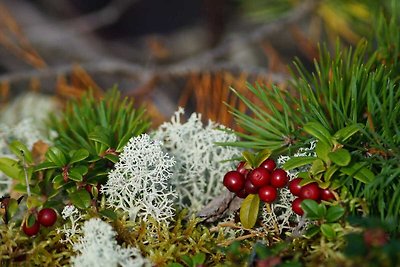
(58, 181)
(11, 168)
(311, 209)
(330, 171)
(322, 149)
(319, 132)
(21, 151)
(312, 230)
(359, 172)
(321, 211)
(175, 264)
(79, 155)
(340, 157)
(80, 199)
(261, 156)
(56, 156)
(82, 169)
(334, 213)
(101, 135)
(328, 231)
(317, 167)
(74, 175)
(112, 158)
(45, 166)
(296, 162)
(249, 210)
(346, 132)
(250, 158)
(198, 259)
(187, 260)
(109, 213)
(11, 208)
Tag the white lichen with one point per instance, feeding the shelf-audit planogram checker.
(98, 247)
(71, 228)
(139, 184)
(201, 163)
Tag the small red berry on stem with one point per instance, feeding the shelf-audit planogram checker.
(310, 191)
(47, 217)
(326, 194)
(31, 230)
(279, 178)
(268, 164)
(241, 168)
(234, 181)
(296, 206)
(259, 177)
(267, 193)
(250, 188)
(295, 187)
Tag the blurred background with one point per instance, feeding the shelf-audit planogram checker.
(165, 53)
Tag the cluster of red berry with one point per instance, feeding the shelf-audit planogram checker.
(308, 191)
(264, 180)
(46, 217)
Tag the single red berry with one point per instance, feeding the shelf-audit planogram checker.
(267, 193)
(241, 168)
(295, 187)
(250, 187)
(326, 194)
(268, 164)
(47, 217)
(242, 193)
(31, 230)
(296, 206)
(310, 191)
(259, 177)
(234, 181)
(279, 178)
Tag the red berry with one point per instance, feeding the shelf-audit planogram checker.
(267, 193)
(242, 193)
(250, 187)
(268, 164)
(259, 177)
(279, 178)
(241, 168)
(295, 187)
(234, 181)
(31, 230)
(310, 191)
(296, 206)
(326, 194)
(47, 217)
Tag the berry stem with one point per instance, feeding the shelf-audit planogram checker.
(28, 188)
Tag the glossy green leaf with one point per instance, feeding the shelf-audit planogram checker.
(359, 172)
(262, 156)
(198, 259)
(11, 168)
(330, 171)
(321, 211)
(296, 162)
(82, 169)
(334, 213)
(311, 209)
(56, 156)
(319, 132)
(322, 149)
(58, 181)
(346, 132)
(312, 231)
(74, 175)
(45, 166)
(80, 199)
(328, 231)
(187, 260)
(112, 158)
(12, 208)
(249, 210)
(109, 213)
(340, 157)
(21, 151)
(317, 167)
(33, 201)
(249, 157)
(78, 155)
